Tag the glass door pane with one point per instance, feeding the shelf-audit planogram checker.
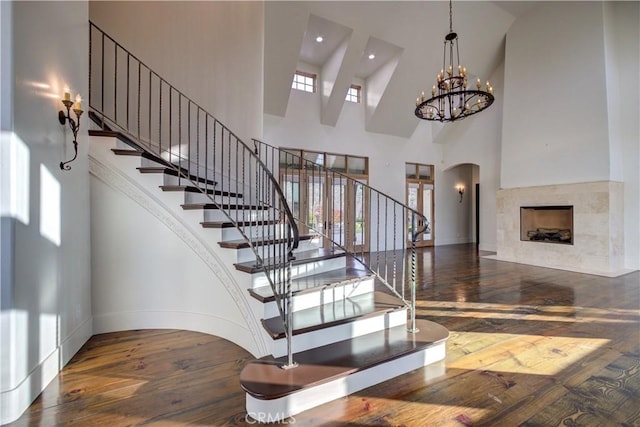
(338, 219)
(315, 209)
(427, 209)
(360, 207)
(291, 187)
(420, 199)
(412, 202)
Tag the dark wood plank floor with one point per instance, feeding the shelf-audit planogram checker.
(529, 346)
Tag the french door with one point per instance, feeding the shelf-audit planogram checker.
(420, 198)
(329, 204)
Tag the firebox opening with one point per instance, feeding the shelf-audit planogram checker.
(550, 224)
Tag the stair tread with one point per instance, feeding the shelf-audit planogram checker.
(344, 310)
(266, 240)
(194, 189)
(265, 379)
(108, 132)
(194, 206)
(229, 224)
(314, 282)
(136, 150)
(319, 254)
(126, 152)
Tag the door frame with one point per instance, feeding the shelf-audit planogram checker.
(421, 175)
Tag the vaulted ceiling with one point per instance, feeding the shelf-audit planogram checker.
(405, 37)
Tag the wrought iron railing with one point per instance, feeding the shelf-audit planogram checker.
(125, 95)
(371, 226)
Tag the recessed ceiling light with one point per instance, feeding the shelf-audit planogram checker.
(372, 56)
(319, 39)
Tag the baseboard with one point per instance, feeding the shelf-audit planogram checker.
(15, 401)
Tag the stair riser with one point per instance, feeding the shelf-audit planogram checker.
(259, 279)
(277, 410)
(304, 300)
(123, 145)
(144, 162)
(237, 215)
(252, 231)
(192, 197)
(247, 254)
(175, 180)
(358, 327)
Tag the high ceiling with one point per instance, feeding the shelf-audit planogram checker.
(405, 37)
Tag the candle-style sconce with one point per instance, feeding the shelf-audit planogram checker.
(460, 192)
(64, 118)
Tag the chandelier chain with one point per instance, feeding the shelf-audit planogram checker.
(450, 17)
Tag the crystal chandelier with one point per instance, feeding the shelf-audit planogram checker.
(451, 100)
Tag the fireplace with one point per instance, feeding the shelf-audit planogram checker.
(596, 222)
(549, 224)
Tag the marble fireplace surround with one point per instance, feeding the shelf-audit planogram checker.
(598, 222)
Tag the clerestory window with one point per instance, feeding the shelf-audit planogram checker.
(305, 82)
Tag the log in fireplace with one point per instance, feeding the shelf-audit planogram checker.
(551, 224)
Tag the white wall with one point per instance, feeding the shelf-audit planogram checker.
(210, 51)
(456, 227)
(568, 116)
(555, 128)
(477, 140)
(622, 51)
(46, 293)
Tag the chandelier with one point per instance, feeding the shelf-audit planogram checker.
(451, 100)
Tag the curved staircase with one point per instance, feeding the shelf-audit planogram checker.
(336, 321)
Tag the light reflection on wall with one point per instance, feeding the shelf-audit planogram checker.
(177, 154)
(14, 177)
(14, 348)
(49, 206)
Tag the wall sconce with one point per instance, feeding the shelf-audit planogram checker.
(460, 192)
(63, 118)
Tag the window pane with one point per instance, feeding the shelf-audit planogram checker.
(357, 165)
(424, 172)
(410, 170)
(290, 159)
(314, 157)
(337, 163)
(303, 82)
(353, 94)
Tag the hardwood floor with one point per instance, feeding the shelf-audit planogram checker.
(529, 346)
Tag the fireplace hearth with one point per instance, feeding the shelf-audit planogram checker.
(551, 224)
